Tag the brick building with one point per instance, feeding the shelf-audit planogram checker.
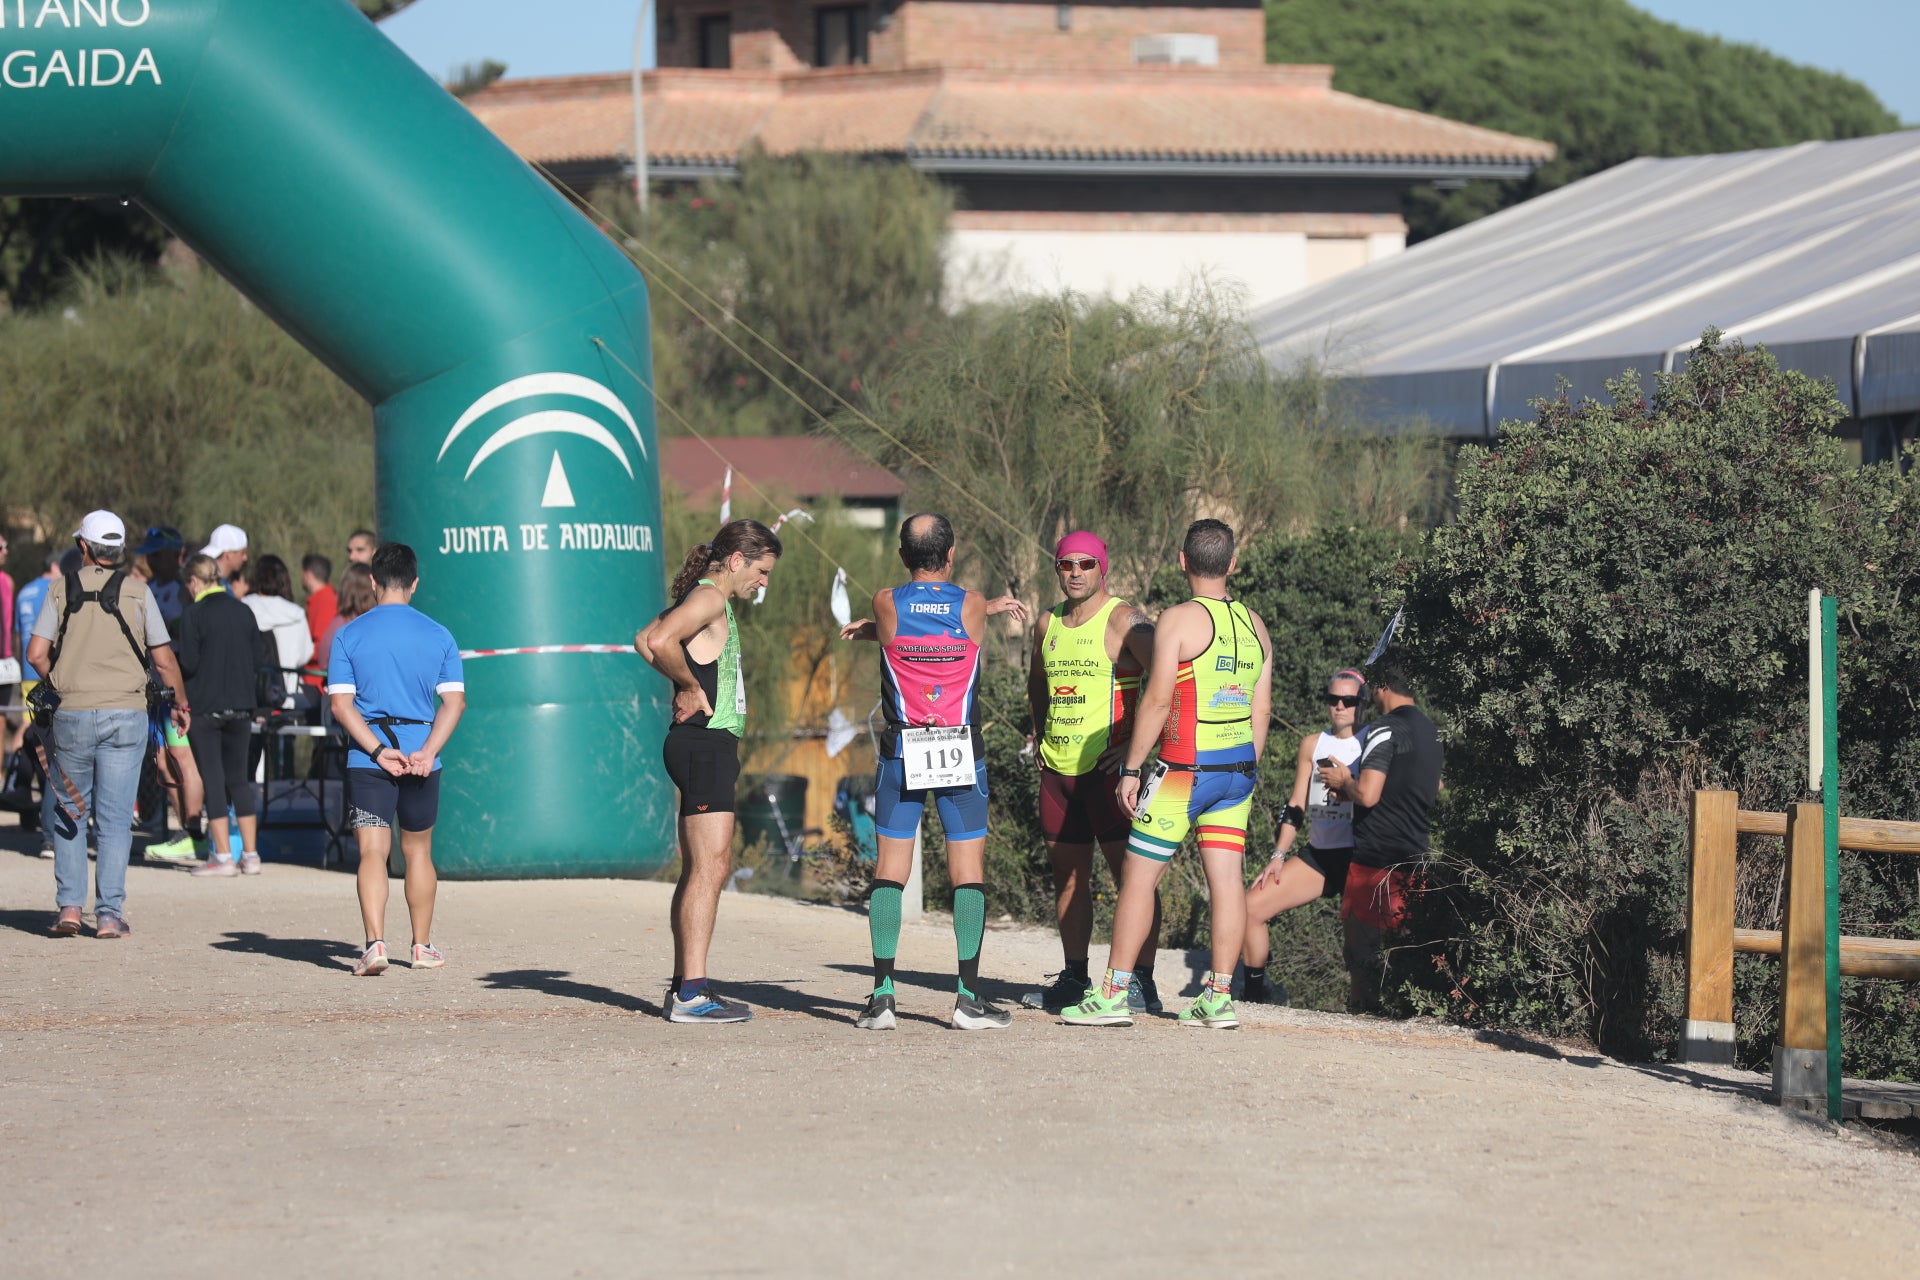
(1099, 147)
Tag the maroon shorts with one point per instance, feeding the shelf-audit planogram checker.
(1080, 809)
(1376, 896)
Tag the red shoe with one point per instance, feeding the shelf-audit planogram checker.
(107, 924)
(67, 923)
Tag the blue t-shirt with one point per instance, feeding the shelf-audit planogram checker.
(394, 660)
(26, 609)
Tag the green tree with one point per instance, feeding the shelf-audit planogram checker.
(175, 401)
(1617, 617)
(837, 264)
(1601, 79)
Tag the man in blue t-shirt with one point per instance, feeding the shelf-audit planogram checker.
(396, 687)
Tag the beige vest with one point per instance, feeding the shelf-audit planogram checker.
(98, 670)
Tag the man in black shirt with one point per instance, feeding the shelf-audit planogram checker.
(1393, 792)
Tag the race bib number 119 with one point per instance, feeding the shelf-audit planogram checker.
(937, 757)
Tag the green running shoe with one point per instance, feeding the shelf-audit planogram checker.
(1099, 1009)
(1212, 1010)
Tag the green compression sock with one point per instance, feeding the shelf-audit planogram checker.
(883, 923)
(969, 927)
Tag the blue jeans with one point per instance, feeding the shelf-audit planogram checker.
(100, 753)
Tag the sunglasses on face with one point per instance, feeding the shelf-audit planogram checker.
(1071, 565)
(1343, 700)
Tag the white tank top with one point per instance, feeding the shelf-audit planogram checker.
(1331, 821)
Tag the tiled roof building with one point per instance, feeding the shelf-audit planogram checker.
(1099, 147)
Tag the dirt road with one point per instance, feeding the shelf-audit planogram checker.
(216, 1096)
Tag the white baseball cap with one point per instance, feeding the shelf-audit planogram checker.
(227, 537)
(102, 528)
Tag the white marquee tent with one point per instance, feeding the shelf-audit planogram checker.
(1812, 250)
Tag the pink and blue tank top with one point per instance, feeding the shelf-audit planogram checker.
(930, 670)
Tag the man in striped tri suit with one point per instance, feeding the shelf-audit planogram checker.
(1208, 701)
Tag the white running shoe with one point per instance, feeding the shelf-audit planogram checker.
(373, 963)
(425, 956)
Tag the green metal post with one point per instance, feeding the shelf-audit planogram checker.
(1830, 802)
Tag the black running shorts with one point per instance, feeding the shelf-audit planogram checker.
(375, 798)
(705, 765)
(1331, 863)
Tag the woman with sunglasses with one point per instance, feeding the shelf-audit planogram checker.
(1320, 869)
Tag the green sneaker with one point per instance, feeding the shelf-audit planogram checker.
(1099, 1009)
(1212, 1010)
(185, 849)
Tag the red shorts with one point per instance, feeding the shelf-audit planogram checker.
(1081, 808)
(1376, 896)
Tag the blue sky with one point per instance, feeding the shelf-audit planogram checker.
(1873, 41)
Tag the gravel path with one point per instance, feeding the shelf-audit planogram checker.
(217, 1096)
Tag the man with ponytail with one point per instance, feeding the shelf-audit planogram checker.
(929, 632)
(696, 645)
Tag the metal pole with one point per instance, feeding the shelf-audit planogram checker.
(639, 110)
(913, 899)
(1830, 802)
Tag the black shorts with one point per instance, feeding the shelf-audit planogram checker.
(375, 798)
(1081, 808)
(705, 765)
(1331, 863)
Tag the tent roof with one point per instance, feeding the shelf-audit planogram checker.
(1813, 250)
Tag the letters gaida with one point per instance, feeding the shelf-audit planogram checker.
(98, 68)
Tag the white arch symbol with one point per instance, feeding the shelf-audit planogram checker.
(552, 421)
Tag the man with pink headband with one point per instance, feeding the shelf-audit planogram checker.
(1089, 653)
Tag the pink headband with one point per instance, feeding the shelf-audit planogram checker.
(1083, 543)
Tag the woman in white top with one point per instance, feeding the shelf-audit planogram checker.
(1319, 870)
(276, 612)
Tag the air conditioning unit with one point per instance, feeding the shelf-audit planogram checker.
(1180, 50)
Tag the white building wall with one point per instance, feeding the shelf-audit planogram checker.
(986, 263)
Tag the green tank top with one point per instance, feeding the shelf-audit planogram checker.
(729, 695)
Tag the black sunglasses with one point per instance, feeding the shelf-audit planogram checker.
(1343, 700)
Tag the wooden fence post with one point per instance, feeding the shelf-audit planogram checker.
(1708, 1035)
(1800, 1054)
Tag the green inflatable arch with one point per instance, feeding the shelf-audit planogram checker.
(345, 193)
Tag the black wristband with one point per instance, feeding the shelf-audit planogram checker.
(1126, 772)
(1293, 815)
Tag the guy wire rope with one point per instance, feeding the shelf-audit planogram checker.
(627, 245)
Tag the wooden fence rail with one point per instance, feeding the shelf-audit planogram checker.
(1716, 822)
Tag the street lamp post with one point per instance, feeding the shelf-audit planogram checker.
(639, 110)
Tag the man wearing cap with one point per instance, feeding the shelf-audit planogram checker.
(162, 549)
(1089, 652)
(94, 641)
(227, 544)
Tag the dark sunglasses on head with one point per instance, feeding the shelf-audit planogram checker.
(1343, 700)
(1071, 565)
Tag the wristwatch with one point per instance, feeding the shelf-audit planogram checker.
(1126, 772)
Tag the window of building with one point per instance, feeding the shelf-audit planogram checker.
(716, 41)
(840, 36)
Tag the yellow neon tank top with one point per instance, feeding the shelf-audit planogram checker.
(1086, 697)
(1211, 720)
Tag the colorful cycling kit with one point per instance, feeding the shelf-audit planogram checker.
(1207, 769)
(929, 677)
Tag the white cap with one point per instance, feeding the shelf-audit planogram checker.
(228, 537)
(102, 528)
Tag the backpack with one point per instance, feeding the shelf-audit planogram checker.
(107, 597)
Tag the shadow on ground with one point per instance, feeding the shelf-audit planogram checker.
(326, 953)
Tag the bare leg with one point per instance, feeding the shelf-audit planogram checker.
(966, 861)
(1133, 914)
(706, 858)
(375, 844)
(1073, 897)
(1295, 886)
(1116, 852)
(423, 882)
(895, 859)
(1227, 913)
(250, 833)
